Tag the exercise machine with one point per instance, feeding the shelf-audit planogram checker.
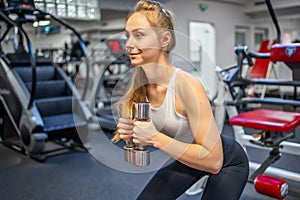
(115, 75)
(282, 123)
(274, 128)
(41, 111)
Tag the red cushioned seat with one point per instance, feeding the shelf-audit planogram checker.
(267, 119)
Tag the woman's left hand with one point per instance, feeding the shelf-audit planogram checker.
(143, 131)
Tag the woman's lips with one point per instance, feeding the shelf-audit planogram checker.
(133, 55)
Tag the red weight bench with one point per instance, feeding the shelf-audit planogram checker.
(275, 125)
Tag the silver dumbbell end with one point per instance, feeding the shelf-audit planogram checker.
(141, 157)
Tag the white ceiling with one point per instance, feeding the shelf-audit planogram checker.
(242, 2)
(113, 9)
(121, 4)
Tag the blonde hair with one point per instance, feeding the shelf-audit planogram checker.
(158, 18)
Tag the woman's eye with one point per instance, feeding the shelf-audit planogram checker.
(138, 35)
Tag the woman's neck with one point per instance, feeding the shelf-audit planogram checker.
(159, 72)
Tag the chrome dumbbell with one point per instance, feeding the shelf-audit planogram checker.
(139, 155)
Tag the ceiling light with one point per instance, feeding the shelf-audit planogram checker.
(41, 23)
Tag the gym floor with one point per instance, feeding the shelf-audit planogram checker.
(79, 176)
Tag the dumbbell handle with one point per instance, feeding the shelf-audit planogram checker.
(140, 112)
(129, 143)
(139, 155)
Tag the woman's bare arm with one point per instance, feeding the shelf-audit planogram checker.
(207, 153)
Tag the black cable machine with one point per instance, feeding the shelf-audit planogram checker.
(289, 54)
(275, 127)
(115, 77)
(39, 104)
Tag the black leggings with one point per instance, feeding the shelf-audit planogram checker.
(173, 180)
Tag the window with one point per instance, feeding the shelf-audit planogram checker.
(72, 9)
(240, 39)
(260, 34)
(241, 36)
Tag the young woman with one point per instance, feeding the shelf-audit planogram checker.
(182, 123)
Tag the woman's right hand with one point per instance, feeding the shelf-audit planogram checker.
(125, 128)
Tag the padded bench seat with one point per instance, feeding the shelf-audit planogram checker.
(267, 119)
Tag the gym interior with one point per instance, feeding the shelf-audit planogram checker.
(64, 65)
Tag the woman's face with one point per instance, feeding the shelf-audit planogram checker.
(143, 43)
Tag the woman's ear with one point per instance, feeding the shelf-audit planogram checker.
(166, 39)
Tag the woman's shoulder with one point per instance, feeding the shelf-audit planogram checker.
(187, 85)
(187, 79)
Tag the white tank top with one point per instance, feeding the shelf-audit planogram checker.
(167, 120)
